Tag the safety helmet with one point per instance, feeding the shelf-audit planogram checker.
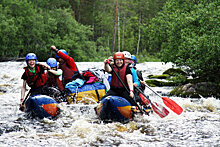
(119, 55)
(127, 54)
(31, 56)
(134, 59)
(63, 51)
(52, 62)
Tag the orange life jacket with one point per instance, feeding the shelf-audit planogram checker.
(115, 82)
(37, 79)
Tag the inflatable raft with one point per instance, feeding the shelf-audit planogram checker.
(88, 89)
(114, 108)
(88, 93)
(42, 106)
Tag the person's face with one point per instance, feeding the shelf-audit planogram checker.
(60, 60)
(53, 68)
(31, 63)
(127, 61)
(119, 62)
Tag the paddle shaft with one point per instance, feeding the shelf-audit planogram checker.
(169, 103)
(51, 53)
(152, 90)
(29, 92)
(143, 94)
(124, 86)
(162, 113)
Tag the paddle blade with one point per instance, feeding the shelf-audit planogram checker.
(172, 105)
(160, 110)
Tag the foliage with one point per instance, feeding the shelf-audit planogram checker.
(187, 34)
(184, 32)
(30, 27)
(83, 27)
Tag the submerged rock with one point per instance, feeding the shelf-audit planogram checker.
(173, 72)
(204, 89)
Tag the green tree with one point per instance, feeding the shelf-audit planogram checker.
(26, 27)
(187, 34)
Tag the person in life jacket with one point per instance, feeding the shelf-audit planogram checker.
(33, 76)
(67, 64)
(54, 83)
(139, 73)
(139, 96)
(127, 56)
(124, 72)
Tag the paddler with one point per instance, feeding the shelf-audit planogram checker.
(124, 72)
(55, 85)
(67, 64)
(34, 76)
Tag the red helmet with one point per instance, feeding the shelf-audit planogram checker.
(119, 55)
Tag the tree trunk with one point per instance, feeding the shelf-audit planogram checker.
(118, 32)
(115, 25)
(139, 34)
(123, 33)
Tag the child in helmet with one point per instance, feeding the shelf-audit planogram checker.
(140, 97)
(34, 76)
(139, 73)
(55, 85)
(54, 74)
(134, 74)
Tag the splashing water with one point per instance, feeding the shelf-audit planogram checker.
(78, 125)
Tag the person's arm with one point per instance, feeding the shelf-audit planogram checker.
(53, 48)
(143, 83)
(45, 65)
(106, 66)
(130, 84)
(23, 90)
(57, 72)
(135, 77)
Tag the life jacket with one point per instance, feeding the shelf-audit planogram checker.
(36, 79)
(115, 82)
(54, 81)
(67, 72)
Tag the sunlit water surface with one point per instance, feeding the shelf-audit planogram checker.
(78, 125)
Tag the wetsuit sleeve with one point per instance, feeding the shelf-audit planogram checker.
(128, 70)
(24, 76)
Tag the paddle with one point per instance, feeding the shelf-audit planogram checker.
(169, 103)
(124, 86)
(25, 99)
(162, 112)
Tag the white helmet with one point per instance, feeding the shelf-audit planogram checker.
(127, 54)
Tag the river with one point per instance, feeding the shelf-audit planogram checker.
(78, 125)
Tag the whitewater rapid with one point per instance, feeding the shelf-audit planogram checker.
(78, 125)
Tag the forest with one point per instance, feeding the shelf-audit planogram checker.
(184, 32)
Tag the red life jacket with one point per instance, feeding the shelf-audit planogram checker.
(115, 82)
(54, 81)
(67, 72)
(37, 79)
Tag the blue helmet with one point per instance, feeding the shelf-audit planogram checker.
(52, 62)
(31, 56)
(63, 51)
(134, 59)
